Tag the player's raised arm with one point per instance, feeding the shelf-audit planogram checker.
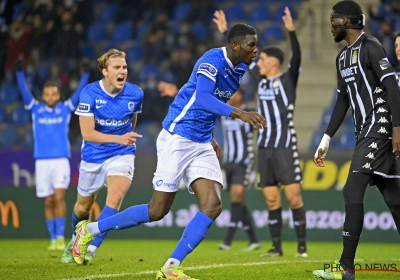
(295, 61)
(74, 99)
(27, 96)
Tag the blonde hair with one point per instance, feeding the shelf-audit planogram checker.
(103, 60)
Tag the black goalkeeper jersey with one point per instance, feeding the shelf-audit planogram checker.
(276, 101)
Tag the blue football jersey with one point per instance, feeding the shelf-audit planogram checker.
(187, 119)
(113, 115)
(50, 129)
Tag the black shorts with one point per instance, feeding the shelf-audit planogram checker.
(278, 166)
(374, 155)
(238, 174)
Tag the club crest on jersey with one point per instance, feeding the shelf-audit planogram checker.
(275, 84)
(131, 106)
(208, 68)
(354, 57)
(83, 107)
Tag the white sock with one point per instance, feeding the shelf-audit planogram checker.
(171, 263)
(93, 228)
(92, 249)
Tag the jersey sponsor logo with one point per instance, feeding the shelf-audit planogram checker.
(373, 145)
(50, 120)
(370, 156)
(168, 185)
(208, 68)
(383, 130)
(83, 107)
(159, 183)
(383, 120)
(349, 71)
(131, 105)
(220, 93)
(384, 63)
(112, 122)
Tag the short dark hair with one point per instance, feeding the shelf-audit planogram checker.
(274, 52)
(397, 35)
(240, 30)
(349, 8)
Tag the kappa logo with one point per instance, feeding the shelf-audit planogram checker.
(383, 120)
(380, 101)
(378, 90)
(373, 145)
(383, 130)
(381, 110)
(370, 155)
(367, 166)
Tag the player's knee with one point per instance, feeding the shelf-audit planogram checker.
(156, 213)
(212, 210)
(350, 197)
(49, 202)
(59, 200)
(82, 209)
(295, 201)
(272, 202)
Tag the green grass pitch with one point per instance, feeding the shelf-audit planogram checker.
(140, 259)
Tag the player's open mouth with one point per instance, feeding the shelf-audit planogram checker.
(121, 79)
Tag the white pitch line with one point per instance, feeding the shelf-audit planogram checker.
(214, 266)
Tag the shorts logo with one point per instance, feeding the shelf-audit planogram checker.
(373, 145)
(378, 90)
(131, 106)
(370, 155)
(367, 166)
(159, 183)
(83, 107)
(208, 69)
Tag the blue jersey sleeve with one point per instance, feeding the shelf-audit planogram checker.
(138, 107)
(86, 103)
(206, 99)
(73, 101)
(27, 96)
(209, 66)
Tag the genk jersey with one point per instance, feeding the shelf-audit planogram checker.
(187, 119)
(50, 129)
(113, 115)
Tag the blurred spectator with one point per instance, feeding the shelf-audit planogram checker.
(155, 39)
(17, 46)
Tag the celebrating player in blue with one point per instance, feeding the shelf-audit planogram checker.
(186, 149)
(51, 150)
(107, 115)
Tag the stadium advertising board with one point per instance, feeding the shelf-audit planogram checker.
(22, 216)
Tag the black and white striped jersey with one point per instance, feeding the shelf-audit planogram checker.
(276, 101)
(361, 68)
(397, 70)
(238, 141)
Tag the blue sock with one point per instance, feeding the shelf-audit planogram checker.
(192, 236)
(51, 227)
(130, 217)
(76, 220)
(107, 212)
(60, 226)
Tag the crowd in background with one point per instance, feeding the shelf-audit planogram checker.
(162, 39)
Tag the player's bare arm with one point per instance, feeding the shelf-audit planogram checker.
(91, 135)
(288, 20)
(253, 118)
(216, 147)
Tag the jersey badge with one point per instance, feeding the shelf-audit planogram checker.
(354, 57)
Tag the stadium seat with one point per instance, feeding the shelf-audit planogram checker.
(199, 30)
(9, 93)
(20, 116)
(234, 12)
(86, 51)
(142, 29)
(27, 139)
(181, 12)
(108, 13)
(279, 12)
(272, 34)
(147, 71)
(141, 129)
(326, 117)
(134, 53)
(2, 115)
(96, 32)
(259, 13)
(8, 137)
(122, 32)
(345, 140)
